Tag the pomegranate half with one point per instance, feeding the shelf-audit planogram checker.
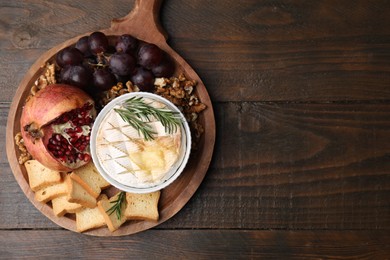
(56, 125)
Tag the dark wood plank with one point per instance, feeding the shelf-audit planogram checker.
(28, 29)
(198, 244)
(12, 199)
(308, 155)
(298, 166)
(283, 50)
(253, 51)
(279, 166)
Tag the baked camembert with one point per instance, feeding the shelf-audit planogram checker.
(130, 159)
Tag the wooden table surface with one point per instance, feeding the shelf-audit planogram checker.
(301, 93)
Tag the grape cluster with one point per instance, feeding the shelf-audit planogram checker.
(94, 65)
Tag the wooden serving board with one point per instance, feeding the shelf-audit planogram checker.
(141, 22)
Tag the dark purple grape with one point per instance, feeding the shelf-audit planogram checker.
(122, 79)
(83, 46)
(126, 43)
(98, 42)
(110, 49)
(144, 79)
(91, 60)
(76, 75)
(69, 56)
(165, 69)
(59, 59)
(103, 79)
(149, 55)
(122, 64)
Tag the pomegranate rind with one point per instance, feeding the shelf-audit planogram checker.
(48, 104)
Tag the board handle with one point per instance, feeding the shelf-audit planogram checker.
(142, 22)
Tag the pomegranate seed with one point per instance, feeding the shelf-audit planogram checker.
(87, 157)
(73, 134)
(65, 118)
(73, 140)
(69, 150)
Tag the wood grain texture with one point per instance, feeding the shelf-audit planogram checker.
(280, 166)
(302, 102)
(286, 50)
(142, 22)
(28, 29)
(320, 166)
(190, 244)
(253, 51)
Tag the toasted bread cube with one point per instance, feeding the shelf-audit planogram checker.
(51, 192)
(142, 206)
(90, 175)
(61, 206)
(77, 193)
(39, 176)
(113, 222)
(89, 218)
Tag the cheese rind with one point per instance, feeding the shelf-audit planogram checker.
(128, 158)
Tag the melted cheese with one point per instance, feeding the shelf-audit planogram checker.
(131, 160)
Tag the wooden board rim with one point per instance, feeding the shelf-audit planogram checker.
(198, 173)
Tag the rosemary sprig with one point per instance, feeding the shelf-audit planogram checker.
(137, 113)
(117, 207)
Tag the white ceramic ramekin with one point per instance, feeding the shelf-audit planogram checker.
(174, 171)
